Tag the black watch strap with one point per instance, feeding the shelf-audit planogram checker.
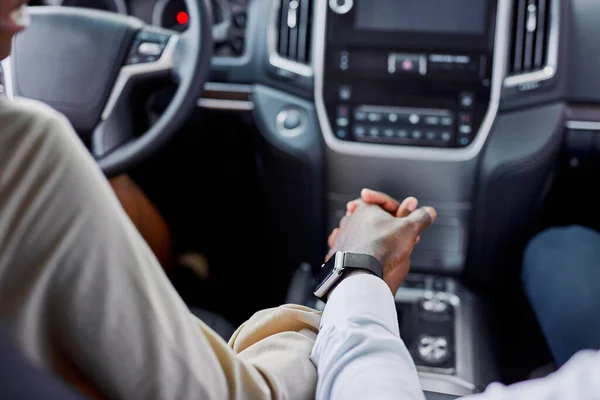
(364, 262)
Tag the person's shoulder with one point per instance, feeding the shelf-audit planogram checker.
(29, 111)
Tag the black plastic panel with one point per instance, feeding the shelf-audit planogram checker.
(584, 52)
(554, 89)
(293, 173)
(515, 169)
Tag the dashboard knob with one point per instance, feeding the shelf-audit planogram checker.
(434, 350)
(291, 122)
(341, 7)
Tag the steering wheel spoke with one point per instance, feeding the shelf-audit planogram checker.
(151, 57)
(98, 90)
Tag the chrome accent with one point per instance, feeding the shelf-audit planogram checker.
(292, 17)
(583, 125)
(433, 349)
(341, 8)
(446, 384)
(423, 65)
(274, 58)
(8, 78)
(405, 152)
(549, 70)
(221, 104)
(228, 87)
(231, 104)
(280, 121)
(532, 17)
(331, 280)
(127, 72)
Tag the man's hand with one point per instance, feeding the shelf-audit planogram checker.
(388, 203)
(372, 229)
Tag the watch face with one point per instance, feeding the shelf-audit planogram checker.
(325, 271)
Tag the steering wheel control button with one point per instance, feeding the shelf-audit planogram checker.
(291, 122)
(341, 7)
(147, 47)
(150, 49)
(434, 350)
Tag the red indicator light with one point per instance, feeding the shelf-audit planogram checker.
(182, 17)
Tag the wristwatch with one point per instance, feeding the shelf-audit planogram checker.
(340, 263)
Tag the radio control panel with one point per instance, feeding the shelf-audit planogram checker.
(407, 126)
(393, 82)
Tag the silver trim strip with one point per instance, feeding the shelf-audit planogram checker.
(549, 70)
(8, 79)
(228, 87)
(453, 380)
(222, 104)
(406, 152)
(274, 58)
(127, 72)
(583, 125)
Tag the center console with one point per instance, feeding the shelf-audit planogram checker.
(410, 72)
(443, 328)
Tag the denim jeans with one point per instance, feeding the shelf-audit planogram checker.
(561, 277)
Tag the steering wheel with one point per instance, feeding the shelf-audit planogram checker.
(85, 63)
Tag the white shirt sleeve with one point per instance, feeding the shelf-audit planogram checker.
(358, 351)
(359, 355)
(576, 380)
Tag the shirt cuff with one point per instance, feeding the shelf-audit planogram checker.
(361, 295)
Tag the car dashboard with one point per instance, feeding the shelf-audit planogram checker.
(464, 104)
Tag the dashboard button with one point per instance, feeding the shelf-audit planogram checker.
(374, 132)
(432, 120)
(343, 122)
(412, 64)
(344, 62)
(430, 135)
(465, 129)
(446, 121)
(345, 93)
(393, 117)
(341, 133)
(360, 116)
(402, 133)
(416, 135)
(374, 117)
(467, 99)
(388, 132)
(341, 7)
(359, 131)
(464, 141)
(446, 136)
(465, 118)
(343, 111)
(414, 119)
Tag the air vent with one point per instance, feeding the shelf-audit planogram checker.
(533, 41)
(295, 30)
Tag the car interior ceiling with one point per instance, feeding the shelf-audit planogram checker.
(308, 103)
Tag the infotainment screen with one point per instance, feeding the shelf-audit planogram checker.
(435, 16)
